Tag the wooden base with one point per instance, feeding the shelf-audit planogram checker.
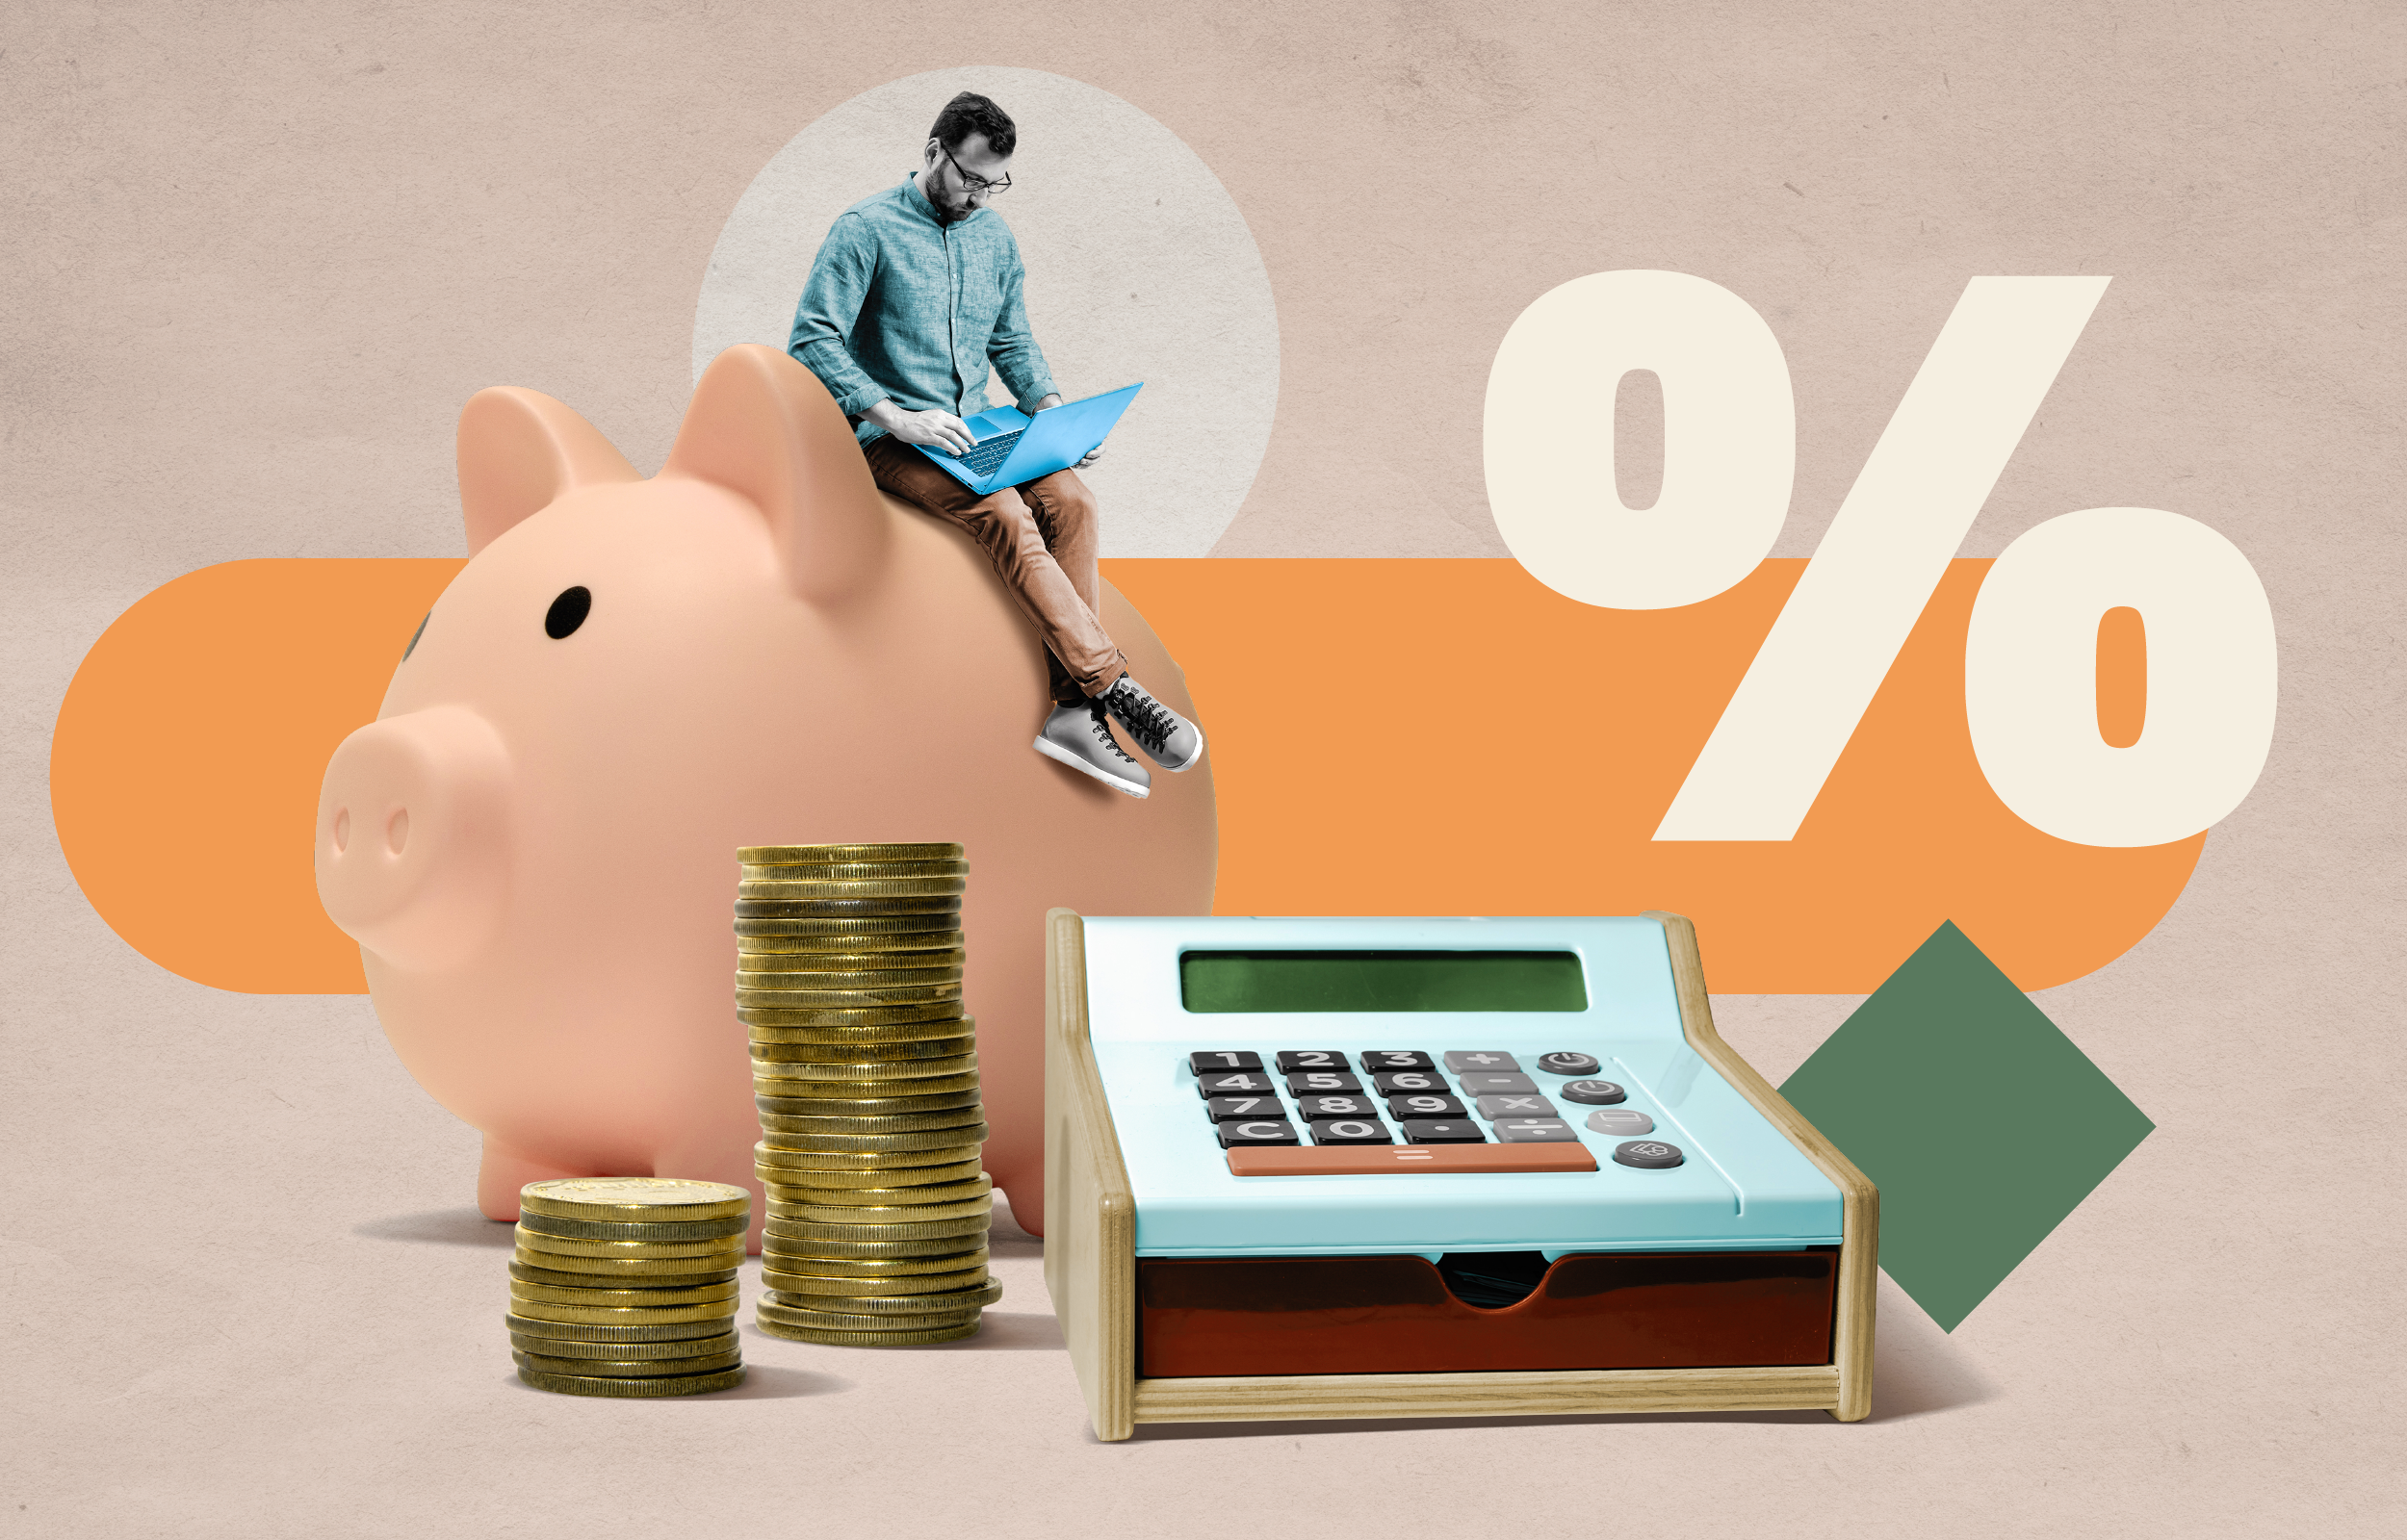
(1090, 1266)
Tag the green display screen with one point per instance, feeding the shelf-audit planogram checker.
(1380, 980)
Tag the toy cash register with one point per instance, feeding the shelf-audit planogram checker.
(1432, 1168)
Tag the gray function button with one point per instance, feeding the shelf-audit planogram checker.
(1567, 1063)
(1593, 1093)
(1625, 1122)
(1648, 1154)
(1480, 1061)
(1492, 1108)
(1534, 1131)
(1499, 1085)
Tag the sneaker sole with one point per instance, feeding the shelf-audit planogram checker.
(1116, 782)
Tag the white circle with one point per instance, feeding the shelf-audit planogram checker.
(1139, 268)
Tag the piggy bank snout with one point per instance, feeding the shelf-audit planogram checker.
(412, 841)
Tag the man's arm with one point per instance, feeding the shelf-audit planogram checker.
(1011, 348)
(824, 318)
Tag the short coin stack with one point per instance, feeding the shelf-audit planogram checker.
(626, 1285)
(849, 961)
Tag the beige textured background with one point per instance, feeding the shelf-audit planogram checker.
(254, 260)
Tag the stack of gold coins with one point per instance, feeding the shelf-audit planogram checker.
(848, 975)
(626, 1285)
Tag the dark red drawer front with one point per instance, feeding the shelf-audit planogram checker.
(1394, 1314)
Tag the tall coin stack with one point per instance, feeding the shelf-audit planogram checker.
(848, 976)
(626, 1285)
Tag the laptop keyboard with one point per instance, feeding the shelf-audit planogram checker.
(988, 453)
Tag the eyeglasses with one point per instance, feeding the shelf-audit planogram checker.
(976, 183)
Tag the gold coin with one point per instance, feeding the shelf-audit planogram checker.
(605, 1316)
(686, 1252)
(775, 1242)
(860, 1053)
(634, 1199)
(634, 1389)
(883, 1214)
(869, 1339)
(605, 1230)
(796, 1313)
(902, 967)
(627, 1368)
(718, 1342)
(922, 922)
(865, 952)
(593, 1298)
(780, 1139)
(854, 889)
(779, 975)
(786, 1088)
(605, 1333)
(953, 1063)
(848, 871)
(865, 1106)
(888, 1197)
(882, 1164)
(883, 1016)
(847, 999)
(884, 1123)
(792, 1226)
(903, 1304)
(907, 1179)
(535, 1271)
(851, 1287)
(808, 854)
(889, 1034)
(808, 1262)
(631, 1266)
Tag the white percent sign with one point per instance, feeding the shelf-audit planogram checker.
(1728, 461)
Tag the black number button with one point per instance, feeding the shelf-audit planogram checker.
(1407, 1082)
(1291, 1059)
(1322, 1081)
(1453, 1131)
(1350, 1131)
(1594, 1093)
(1223, 1060)
(1237, 1084)
(1395, 1059)
(1236, 1108)
(1425, 1105)
(1316, 1108)
(1567, 1063)
(1259, 1131)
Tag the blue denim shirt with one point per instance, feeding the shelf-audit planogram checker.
(900, 304)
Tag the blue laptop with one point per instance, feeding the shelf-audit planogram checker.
(1012, 446)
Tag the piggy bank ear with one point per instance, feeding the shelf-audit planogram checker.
(763, 425)
(518, 450)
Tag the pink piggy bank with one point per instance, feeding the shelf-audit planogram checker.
(534, 842)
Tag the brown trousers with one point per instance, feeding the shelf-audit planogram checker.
(1042, 538)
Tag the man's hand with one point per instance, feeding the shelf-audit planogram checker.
(1047, 403)
(939, 431)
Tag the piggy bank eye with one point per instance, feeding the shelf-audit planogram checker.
(567, 612)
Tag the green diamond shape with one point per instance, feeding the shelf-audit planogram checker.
(1978, 1121)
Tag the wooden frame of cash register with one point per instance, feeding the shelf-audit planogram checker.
(1090, 1264)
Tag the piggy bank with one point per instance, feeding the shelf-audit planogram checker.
(534, 842)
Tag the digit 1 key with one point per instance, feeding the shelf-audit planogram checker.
(1223, 1060)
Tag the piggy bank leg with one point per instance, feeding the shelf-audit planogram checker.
(504, 1171)
(725, 1157)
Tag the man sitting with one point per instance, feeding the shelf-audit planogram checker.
(915, 290)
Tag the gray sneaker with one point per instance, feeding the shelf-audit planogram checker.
(1079, 736)
(1172, 740)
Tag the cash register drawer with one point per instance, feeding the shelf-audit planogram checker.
(1394, 1314)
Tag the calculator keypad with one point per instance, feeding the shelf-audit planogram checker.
(1411, 1102)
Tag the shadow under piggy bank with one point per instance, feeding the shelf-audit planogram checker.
(534, 842)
